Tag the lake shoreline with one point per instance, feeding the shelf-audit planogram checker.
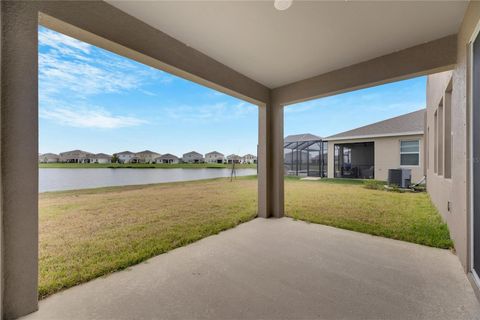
(63, 179)
(129, 187)
(143, 166)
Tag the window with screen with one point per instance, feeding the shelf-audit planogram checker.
(410, 153)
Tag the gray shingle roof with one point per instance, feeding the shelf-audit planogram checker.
(103, 155)
(167, 156)
(410, 123)
(124, 152)
(213, 153)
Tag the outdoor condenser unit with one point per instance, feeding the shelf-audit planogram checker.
(400, 177)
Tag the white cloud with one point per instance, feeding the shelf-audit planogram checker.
(58, 75)
(69, 64)
(304, 106)
(62, 43)
(71, 72)
(92, 117)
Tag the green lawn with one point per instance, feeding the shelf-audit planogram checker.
(143, 165)
(85, 234)
(403, 216)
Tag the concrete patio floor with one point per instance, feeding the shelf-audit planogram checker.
(279, 269)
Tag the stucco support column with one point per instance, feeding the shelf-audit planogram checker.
(19, 158)
(262, 162)
(270, 161)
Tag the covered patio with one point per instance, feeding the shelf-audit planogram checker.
(316, 272)
(267, 268)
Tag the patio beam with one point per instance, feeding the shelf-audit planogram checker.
(430, 57)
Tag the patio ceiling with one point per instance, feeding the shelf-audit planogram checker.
(310, 38)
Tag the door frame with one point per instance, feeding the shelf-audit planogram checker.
(473, 38)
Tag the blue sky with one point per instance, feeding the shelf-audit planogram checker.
(95, 100)
(335, 114)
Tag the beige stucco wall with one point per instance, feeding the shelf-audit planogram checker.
(387, 155)
(454, 190)
(439, 187)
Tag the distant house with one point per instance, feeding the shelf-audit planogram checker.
(192, 157)
(214, 157)
(249, 159)
(146, 156)
(233, 158)
(125, 156)
(48, 158)
(101, 158)
(76, 156)
(167, 158)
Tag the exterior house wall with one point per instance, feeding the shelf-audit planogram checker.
(76, 156)
(233, 158)
(214, 157)
(147, 156)
(249, 159)
(451, 205)
(455, 190)
(125, 157)
(387, 155)
(166, 160)
(49, 158)
(102, 160)
(192, 157)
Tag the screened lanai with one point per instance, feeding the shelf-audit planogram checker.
(305, 155)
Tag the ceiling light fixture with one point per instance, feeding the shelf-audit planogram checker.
(282, 4)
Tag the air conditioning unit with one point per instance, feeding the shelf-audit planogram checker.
(400, 177)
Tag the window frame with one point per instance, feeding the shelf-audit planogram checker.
(403, 152)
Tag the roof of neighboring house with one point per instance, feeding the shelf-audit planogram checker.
(146, 152)
(407, 124)
(124, 152)
(49, 155)
(214, 152)
(66, 153)
(233, 156)
(103, 155)
(167, 156)
(75, 151)
(249, 155)
(301, 141)
(193, 152)
(301, 137)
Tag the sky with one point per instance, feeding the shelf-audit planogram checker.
(97, 101)
(335, 114)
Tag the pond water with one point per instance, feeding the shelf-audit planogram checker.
(71, 179)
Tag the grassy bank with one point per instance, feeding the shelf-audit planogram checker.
(403, 216)
(143, 165)
(85, 234)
